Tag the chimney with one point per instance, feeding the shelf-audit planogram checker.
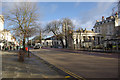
(116, 15)
(103, 18)
(111, 17)
(97, 20)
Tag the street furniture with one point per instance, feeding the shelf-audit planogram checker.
(21, 55)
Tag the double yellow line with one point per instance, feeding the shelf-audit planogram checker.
(70, 73)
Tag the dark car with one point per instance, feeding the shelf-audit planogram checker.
(36, 47)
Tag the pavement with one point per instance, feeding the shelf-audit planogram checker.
(32, 67)
(83, 64)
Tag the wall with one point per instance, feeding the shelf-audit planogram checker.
(1, 23)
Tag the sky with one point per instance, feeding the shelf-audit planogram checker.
(82, 14)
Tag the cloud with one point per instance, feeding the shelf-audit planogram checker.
(21, 1)
(60, 0)
(0, 7)
(88, 18)
(53, 8)
(77, 4)
(99, 10)
(78, 24)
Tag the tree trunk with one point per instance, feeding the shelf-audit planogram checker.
(62, 42)
(66, 41)
(24, 43)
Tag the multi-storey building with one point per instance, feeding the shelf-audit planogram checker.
(119, 10)
(1, 23)
(6, 38)
(107, 30)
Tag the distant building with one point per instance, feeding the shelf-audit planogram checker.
(47, 42)
(51, 42)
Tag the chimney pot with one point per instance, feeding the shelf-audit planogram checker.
(97, 20)
(103, 18)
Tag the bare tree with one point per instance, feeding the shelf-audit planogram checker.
(67, 26)
(55, 28)
(40, 33)
(61, 29)
(119, 8)
(116, 8)
(22, 20)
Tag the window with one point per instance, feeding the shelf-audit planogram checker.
(99, 31)
(47, 43)
(76, 41)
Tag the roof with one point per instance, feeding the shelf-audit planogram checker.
(84, 31)
(5, 30)
(54, 36)
(2, 17)
(107, 20)
(50, 38)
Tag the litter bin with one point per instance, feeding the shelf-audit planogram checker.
(21, 55)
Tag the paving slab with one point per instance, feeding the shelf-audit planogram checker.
(31, 68)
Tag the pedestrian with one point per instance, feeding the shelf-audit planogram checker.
(10, 48)
(3, 47)
(17, 47)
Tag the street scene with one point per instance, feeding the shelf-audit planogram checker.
(59, 40)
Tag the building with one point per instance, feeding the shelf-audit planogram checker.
(82, 39)
(1, 23)
(52, 42)
(1, 29)
(6, 38)
(107, 29)
(47, 42)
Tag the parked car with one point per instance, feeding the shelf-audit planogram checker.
(36, 47)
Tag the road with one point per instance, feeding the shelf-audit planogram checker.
(32, 67)
(81, 64)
